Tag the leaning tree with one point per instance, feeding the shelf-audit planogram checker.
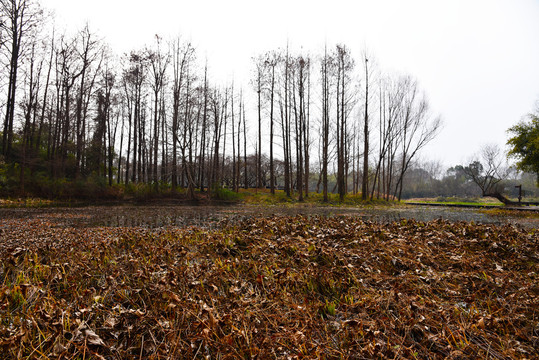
(487, 170)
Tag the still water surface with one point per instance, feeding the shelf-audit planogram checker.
(215, 216)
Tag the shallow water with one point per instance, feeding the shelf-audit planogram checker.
(215, 216)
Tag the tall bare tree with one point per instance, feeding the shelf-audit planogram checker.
(258, 84)
(365, 180)
(418, 128)
(89, 51)
(158, 65)
(344, 67)
(326, 64)
(18, 20)
(271, 62)
(182, 55)
(391, 97)
(30, 109)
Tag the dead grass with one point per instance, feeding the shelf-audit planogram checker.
(272, 287)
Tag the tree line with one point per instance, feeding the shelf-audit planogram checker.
(73, 111)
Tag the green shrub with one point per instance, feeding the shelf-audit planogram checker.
(139, 191)
(221, 193)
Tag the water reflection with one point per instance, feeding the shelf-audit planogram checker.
(211, 216)
(215, 216)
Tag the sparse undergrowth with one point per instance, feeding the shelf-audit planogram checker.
(25, 202)
(484, 201)
(264, 197)
(144, 194)
(530, 214)
(274, 287)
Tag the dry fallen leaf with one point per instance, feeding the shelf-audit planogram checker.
(269, 287)
(481, 323)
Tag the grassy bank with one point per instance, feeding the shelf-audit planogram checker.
(145, 194)
(457, 201)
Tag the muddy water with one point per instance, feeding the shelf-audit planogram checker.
(215, 216)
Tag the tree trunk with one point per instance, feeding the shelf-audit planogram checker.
(365, 181)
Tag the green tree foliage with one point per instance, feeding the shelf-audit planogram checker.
(525, 144)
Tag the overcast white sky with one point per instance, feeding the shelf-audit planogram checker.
(477, 60)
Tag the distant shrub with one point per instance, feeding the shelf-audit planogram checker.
(221, 193)
(265, 197)
(139, 191)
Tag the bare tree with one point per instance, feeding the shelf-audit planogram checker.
(258, 84)
(487, 170)
(418, 128)
(285, 123)
(45, 96)
(219, 103)
(326, 64)
(344, 67)
(112, 115)
(245, 175)
(203, 145)
(365, 180)
(158, 65)
(306, 121)
(391, 99)
(297, 107)
(133, 80)
(233, 134)
(89, 52)
(18, 19)
(68, 71)
(271, 61)
(30, 109)
(238, 160)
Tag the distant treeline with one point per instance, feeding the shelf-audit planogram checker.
(431, 180)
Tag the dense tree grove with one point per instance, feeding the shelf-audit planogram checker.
(77, 118)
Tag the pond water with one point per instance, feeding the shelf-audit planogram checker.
(215, 216)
